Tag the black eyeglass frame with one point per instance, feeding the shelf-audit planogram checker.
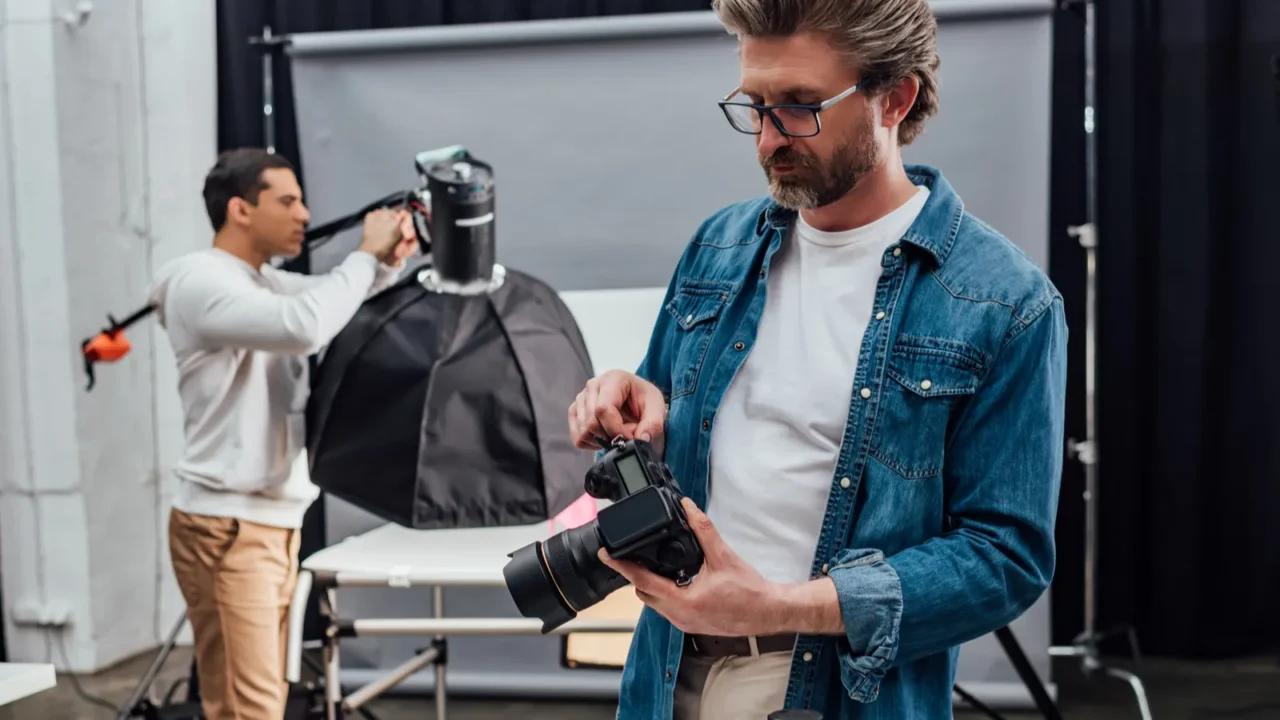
(763, 110)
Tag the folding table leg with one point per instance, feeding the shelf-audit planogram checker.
(332, 682)
(437, 605)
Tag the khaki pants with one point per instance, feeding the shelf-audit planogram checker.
(731, 688)
(237, 579)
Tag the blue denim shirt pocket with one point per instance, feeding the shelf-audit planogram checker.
(696, 307)
(929, 380)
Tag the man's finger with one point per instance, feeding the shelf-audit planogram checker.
(610, 421)
(590, 408)
(578, 412)
(713, 546)
(652, 410)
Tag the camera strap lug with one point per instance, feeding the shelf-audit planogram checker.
(618, 441)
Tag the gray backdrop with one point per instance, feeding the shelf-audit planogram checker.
(609, 150)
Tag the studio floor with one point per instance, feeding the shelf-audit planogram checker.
(1237, 690)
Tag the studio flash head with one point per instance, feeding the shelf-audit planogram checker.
(461, 191)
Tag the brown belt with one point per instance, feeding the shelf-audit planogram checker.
(717, 646)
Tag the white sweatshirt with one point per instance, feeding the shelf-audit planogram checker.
(241, 337)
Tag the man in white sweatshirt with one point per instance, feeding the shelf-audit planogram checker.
(241, 331)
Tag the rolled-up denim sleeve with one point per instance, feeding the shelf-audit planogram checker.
(1002, 478)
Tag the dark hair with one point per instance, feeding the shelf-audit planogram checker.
(237, 174)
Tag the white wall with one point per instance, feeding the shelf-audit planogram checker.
(106, 131)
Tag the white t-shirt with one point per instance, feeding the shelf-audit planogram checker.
(778, 430)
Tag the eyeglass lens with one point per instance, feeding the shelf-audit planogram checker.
(797, 121)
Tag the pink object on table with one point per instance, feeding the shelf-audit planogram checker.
(579, 513)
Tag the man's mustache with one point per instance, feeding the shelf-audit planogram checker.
(787, 157)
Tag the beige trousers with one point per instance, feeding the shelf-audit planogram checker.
(237, 579)
(731, 688)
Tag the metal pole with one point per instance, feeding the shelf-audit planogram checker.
(1088, 236)
(130, 707)
(332, 661)
(437, 610)
(1086, 451)
(268, 92)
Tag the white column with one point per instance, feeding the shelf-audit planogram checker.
(106, 131)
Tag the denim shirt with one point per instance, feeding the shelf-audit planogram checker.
(939, 524)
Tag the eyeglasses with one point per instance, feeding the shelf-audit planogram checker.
(792, 120)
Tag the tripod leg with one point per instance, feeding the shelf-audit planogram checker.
(1133, 645)
(130, 708)
(193, 683)
(977, 704)
(1028, 674)
(1135, 684)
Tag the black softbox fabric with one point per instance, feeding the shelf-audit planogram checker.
(436, 410)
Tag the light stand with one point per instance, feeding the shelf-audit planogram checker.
(140, 704)
(1085, 451)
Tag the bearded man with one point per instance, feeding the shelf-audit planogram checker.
(861, 383)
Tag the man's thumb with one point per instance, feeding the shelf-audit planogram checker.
(708, 536)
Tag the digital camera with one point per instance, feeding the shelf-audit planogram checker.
(558, 578)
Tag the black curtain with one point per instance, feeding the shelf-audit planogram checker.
(1189, 133)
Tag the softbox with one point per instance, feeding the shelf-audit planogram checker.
(442, 410)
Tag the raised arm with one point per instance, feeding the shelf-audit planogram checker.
(390, 264)
(234, 311)
(384, 277)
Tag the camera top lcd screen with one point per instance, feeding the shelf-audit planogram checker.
(633, 477)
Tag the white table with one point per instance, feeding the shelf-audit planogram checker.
(394, 556)
(20, 680)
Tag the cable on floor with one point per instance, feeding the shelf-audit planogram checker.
(75, 682)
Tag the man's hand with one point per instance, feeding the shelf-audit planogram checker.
(728, 596)
(617, 403)
(407, 247)
(383, 230)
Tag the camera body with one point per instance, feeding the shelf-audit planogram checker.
(558, 578)
(645, 522)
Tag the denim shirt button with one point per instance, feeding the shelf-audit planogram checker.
(825, 568)
(880, 315)
(706, 424)
(845, 482)
(808, 657)
(866, 393)
(739, 346)
(926, 384)
(897, 252)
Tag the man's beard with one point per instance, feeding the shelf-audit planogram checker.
(814, 182)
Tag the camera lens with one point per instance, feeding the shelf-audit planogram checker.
(555, 580)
